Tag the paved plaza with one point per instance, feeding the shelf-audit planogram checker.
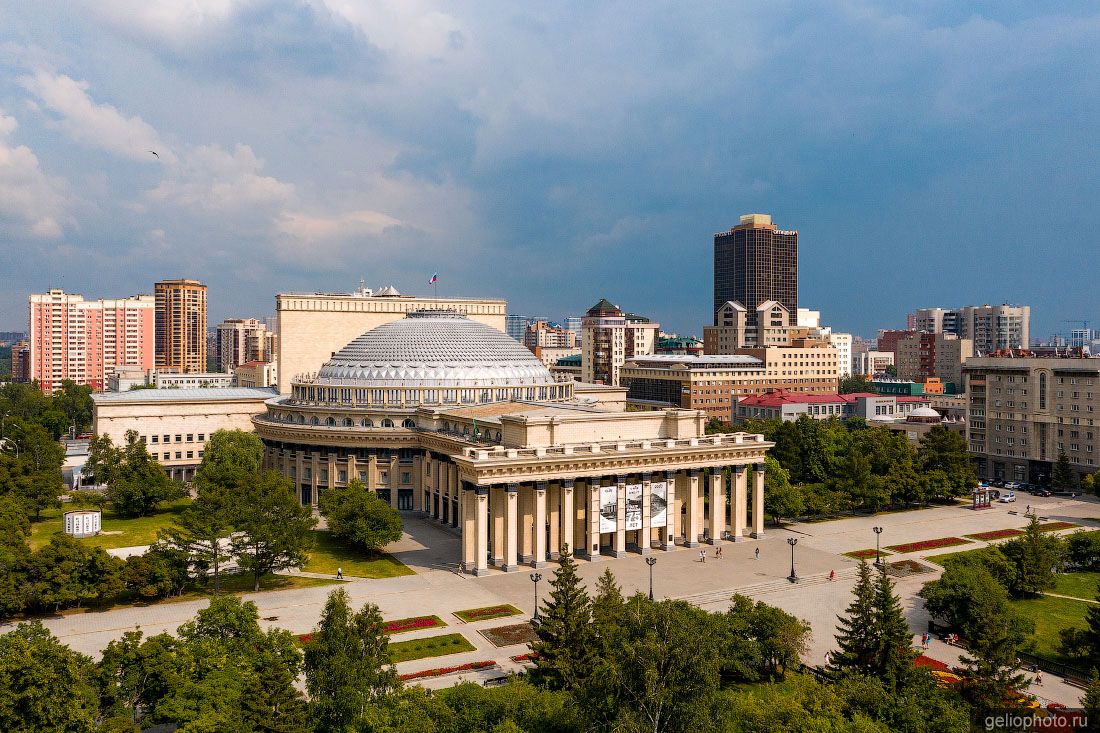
(437, 588)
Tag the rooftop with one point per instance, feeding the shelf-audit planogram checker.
(194, 394)
(705, 361)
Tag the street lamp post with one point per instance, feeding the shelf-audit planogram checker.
(878, 552)
(651, 561)
(535, 578)
(793, 577)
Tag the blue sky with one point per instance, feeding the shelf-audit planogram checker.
(929, 153)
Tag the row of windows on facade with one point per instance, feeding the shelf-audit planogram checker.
(179, 455)
(978, 448)
(342, 476)
(155, 439)
(332, 422)
(355, 396)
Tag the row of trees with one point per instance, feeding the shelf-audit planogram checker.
(826, 467)
(70, 407)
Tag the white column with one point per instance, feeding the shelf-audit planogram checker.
(717, 505)
(496, 508)
(668, 534)
(553, 518)
(645, 535)
(694, 526)
(592, 550)
(395, 480)
(619, 548)
(469, 536)
(481, 548)
(539, 543)
(758, 500)
(511, 533)
(568, 516)
(740, 502)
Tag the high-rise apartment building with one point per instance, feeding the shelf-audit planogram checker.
(181, 326)
(926, 354)
(754, 262)
(546, 334)
(610, 337)
(1023, 411)
(515, 325)
(85, 340)
(990, 327)
(241, 340)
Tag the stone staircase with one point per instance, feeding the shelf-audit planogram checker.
(707, 598)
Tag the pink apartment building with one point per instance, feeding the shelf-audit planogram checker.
(85, 340)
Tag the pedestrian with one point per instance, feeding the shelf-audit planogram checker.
(702, 555)
(718, 553)
(832, 575)
(1038, 676)
(339, 573)
(924, 639)
(1028, 510)
(757, 553)
(828, 658)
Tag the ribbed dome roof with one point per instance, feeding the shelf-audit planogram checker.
(434, 348)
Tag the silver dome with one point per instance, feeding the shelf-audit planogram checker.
(434, 348)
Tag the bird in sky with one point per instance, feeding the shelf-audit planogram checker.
(154, 153)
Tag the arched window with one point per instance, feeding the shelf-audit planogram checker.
(314, 421)
(465, 429)
(446, 426)
(1042, 391)
(387, 423)
(301, 420)
(348, 422)
(408, 423)
(330, 422)
(498, 436)
(366, 423)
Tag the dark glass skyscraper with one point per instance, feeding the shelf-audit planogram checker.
(754, 262)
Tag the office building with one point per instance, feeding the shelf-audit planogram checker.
(756, 262)
(573, 323)
(241, 340)
(842, 342)
(926, 354)
(21, 361)
(1024, 410)
(452, 418)
(888, 340)
(85, 340)
(515, 325)
(313, 326)
(175, 424)
(734, 328)
(868, 362)
(193, 380)
(610, 337)
(180, 326)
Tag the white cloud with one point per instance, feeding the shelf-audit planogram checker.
(308, 228)
(32, 204)
(211, 178)
(98, 125)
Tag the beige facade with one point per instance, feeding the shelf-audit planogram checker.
(1023, 411)
(257, 374)
(312, 326)
(180, 326)
(175, 424)
(928, 354)
(243, 340)
(609, 337)
(733, 329)
(549, 355)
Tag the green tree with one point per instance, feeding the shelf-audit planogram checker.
(1063, 476)
(202, 529)
(781, 499)
(138, 484)
(945, 450)
(759, 641)
(104, 459)
(893, 663)
(229, 456)
(75, 401)
(33, 474)
(856, 383)
(66, 573)
(135, 674)
(1091, 701)
(1036, 557)
(564, 645)
(272, 528)
(158, 573)
(347, 664)
(359, 517)
(44, 685)
(856, 637)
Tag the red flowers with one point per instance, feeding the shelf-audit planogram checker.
(934, 664)
(528, 657)
(440, 671)
(412, 624)
(860, 554)
(929, 544)
(1055, 526)
(997, 534)
(480, 614)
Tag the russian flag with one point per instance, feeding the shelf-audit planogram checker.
(434, 279)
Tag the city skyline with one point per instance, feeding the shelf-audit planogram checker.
(416, 147)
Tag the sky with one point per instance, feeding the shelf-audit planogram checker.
(930, 153)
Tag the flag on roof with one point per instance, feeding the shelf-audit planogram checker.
(434, 279)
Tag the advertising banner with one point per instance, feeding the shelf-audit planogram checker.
(609, 508)
(658, 504)
(633, 506)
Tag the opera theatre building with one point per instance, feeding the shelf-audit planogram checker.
(445, 415)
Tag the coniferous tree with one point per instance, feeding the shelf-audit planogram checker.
(1035, 557)
(1091, 701)
(564, 629)
(895, 654)
(1063, 476)
(856, 629)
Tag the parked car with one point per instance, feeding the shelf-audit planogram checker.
(1007, 497)
(1012, 485)
(1041, 492)
(999, 483)
(994, 494)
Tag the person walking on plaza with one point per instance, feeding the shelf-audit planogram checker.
(702, 555)
(924, 640)
(1028, 510)
(1038, 676)
(757, 553)
(718, 553)
(339, 573)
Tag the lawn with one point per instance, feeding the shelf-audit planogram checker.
(327, 555)
(432, 646)
(117, 531)
(1078, 585)
(470, 615)
(945, 558)
(1051, 615)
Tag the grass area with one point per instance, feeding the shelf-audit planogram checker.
(1050, 616)
(117, 531)
(1078, 585)
(327, 555)
(944, 559)
(432, 646)
(484, 613)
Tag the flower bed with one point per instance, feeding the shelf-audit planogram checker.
(305, 638)
(528, 657)
(414, 623)
(865, 554)
(997, 534)
(510, 635)
(929, 544)
(933, 664)
(440, 671)
(485, 613)
(1055, 526)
